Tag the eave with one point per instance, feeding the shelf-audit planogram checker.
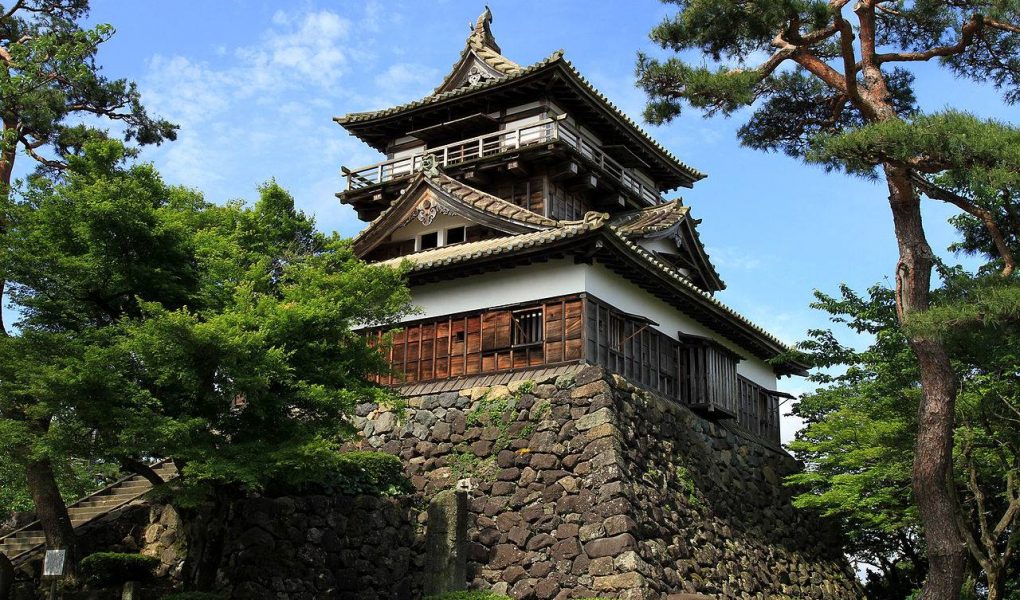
(591, 241)
(553, 75)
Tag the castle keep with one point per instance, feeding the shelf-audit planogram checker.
(531, 212)
(583, 417)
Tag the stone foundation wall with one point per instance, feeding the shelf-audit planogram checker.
(574, 487)
(318, 546)
(586, 486)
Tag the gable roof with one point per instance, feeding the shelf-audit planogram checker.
(482, 50)
(672, 219)
(618, 253)
(449, 196)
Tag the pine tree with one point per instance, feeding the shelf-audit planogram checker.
(836, 88)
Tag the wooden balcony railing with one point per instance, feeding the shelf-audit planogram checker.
(555, 129)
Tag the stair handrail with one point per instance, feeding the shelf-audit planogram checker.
(107, 488)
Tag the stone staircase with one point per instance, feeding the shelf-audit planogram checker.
(21, 544)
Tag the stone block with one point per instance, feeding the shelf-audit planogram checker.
(589, 390)
(602, 416)
(620, 581)
(611, 546)
(385, 423)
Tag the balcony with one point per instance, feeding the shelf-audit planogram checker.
(554, 130)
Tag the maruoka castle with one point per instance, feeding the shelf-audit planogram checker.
(576, 412)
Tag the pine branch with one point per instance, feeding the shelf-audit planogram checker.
(967, 34)
(987, 218)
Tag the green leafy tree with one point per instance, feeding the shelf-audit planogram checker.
(857, 445)
(49, 80)
(858, 442)
(835, 87)
(154, 324)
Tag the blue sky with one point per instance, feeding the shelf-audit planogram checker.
(254, 86)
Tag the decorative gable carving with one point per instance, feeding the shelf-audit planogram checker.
(428, 208)
(426, 197)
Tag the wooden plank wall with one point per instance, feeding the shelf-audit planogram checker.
(709, 377)
(697, 373)
(632, 348)
(527, 193)
(480, 343)
(759, 409)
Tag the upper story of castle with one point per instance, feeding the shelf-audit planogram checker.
(527, 212)
(490, 121)
(518, 149)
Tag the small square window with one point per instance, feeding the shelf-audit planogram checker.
(527, 327)
(428, 240)
(456, 235)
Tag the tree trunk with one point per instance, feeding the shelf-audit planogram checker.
(932, 471)
(51, 511)
(996, 583)
(7, 158)
(6, 577)
(206, 529)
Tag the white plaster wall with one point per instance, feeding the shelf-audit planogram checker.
(409, 151)
(667, 245)
(414, 228)
(521, 284)
(562, 277)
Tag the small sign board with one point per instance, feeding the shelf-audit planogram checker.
(53, 564)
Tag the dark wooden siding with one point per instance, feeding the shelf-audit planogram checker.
(694, 371)
(481, 342)
(527, 193)
(759, 409)
(709, 374)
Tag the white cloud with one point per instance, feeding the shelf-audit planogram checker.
(308, 46)
(731, 257)
(401, 82)
(264, 109)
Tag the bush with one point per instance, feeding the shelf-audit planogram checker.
(114, 568)
(472, 595)
(193, 596)
(364, 472)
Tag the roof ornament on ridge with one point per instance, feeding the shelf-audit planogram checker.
(480, 61)
(481, 34)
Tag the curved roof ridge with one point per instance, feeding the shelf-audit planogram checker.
(665, 268)
(555, 57)
(355, 117)
(508, 210)
(651, 219)
(612, 106)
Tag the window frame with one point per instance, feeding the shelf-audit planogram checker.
(516, 329)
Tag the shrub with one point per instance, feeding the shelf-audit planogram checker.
(193, 596)
(365, 472)
(471, 595)
(114, 568)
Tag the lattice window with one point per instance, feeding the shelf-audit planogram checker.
(526, 327)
